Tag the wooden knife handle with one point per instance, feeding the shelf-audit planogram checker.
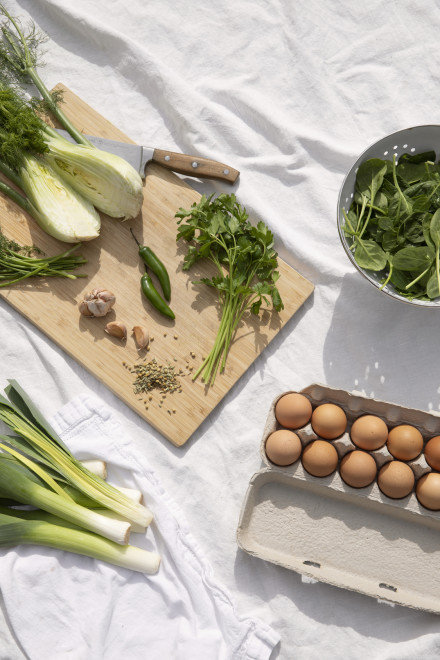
(195, 166)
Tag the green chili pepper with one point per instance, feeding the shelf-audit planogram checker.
(154, 263)
(151, 261)
(154, 296)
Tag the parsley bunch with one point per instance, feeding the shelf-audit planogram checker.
(219, 230)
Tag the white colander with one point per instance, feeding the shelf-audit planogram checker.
(410, 140)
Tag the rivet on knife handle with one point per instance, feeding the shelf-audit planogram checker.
(195, 166)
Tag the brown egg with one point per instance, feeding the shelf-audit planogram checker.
(320, 458)
(369, 432)
(329, 421)
(405, 442)
(293, 410)
(428, 491)
(396, 479)
(283, 447)
(358, 469)
(432, 452)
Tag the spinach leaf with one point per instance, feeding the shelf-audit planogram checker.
(391, 241)
(432, 288)
(386, 223)
(370, 255)
(411, 171)
(434, 230)
(423, 157)
(400, 279)
(370, 177)
(414, 259)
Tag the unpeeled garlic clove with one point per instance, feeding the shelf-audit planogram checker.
(102, 294)
(141, 336)
(116, 329)
(84, 309)
(97, 303)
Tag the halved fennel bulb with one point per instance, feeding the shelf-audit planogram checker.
(59, 209)
(107, 181)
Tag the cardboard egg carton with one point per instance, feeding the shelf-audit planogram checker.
(354, 538)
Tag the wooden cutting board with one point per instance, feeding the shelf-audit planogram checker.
(113, 263)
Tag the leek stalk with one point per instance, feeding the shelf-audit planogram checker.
(34, 528)
(96, 466)
(38, 441)
(15, 484)
(73, 508)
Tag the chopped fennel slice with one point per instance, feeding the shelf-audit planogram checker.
(109, 182)
(60, 210)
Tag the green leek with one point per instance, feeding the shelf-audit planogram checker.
(35, 528)
(38, 441)
(14, 483)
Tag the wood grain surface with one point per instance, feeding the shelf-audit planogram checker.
(113, 262)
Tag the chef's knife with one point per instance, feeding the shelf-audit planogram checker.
(138, 157)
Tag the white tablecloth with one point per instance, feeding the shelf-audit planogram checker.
(289, 93)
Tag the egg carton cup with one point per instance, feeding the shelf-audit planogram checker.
(354, 538)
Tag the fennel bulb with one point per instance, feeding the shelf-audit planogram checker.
(107, 181)
(57, 207)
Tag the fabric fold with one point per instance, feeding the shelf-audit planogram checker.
(64, 606)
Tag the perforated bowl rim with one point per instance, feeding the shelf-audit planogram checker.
(403, 141)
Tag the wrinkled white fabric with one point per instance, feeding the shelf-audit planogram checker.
(94, 610)
(289, 93)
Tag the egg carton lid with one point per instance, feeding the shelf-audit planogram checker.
(355, 539)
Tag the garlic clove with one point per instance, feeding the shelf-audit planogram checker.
(97, 303)
(84, 309)
(116, 329)
(103, 294)
(98, 307)
(141, 336)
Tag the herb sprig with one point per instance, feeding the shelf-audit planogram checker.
(18, 263)
(394, 223)
(218, 229)
(20, 57)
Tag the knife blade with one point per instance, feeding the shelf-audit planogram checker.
(139, 157)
